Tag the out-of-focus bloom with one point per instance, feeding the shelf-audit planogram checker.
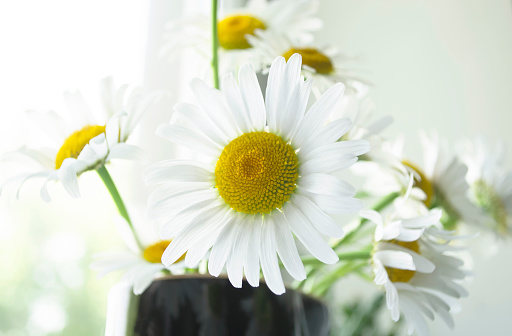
(269, 177)
(326, 64)
(140, 265)
(83, 141)
(412, 261)
(294, 18)
(490, 182)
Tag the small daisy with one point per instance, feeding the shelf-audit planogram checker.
(491, 184)
(326, 65)
(411, 261)
(447, 175)
(269, 177)
(140, 264)
(295, 18)
(83, 142)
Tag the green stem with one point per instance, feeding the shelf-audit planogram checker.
(109, 183)
(382, 204)
(215, 45)
(346, 256)
(323, 286)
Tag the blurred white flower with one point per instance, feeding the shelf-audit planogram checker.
(294, 18)
(140, 264)
(326, 64)
(82, 141)
(270, 176)
(412, 261)
(490, 182)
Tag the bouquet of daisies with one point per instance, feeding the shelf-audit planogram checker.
(279, 130)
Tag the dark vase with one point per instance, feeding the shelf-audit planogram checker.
(202, 305)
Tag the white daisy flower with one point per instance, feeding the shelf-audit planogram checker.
(447, 175)
(83, 141)
(140, 264)
(411, 261)
(269, 178)
(326, 64)
(491, 183)
(294, 18)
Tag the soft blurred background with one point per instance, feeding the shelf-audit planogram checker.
(436, 64)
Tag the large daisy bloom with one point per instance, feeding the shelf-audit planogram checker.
(140, 265)
(83, 141)
(326, 64)
(412, 261)
(490, 182)
(294, 18)
(268, 177)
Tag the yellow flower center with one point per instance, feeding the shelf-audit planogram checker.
(153, 253)
(423, 183)
(256, 173)
(401, 275)
(74, 144)
(232, 31)
(312, 58)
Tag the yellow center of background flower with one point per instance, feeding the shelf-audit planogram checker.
(423, 183)
(153, 253)
(400, 275)
(74, 144)
(256, 173)
(232, 31)
(312, 58)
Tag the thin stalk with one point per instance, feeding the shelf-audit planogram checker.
(345, 256)
(112, 189)
(323, 286)
(215, 45)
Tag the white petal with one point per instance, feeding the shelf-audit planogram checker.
(186, 238)
(335, 204)
(320, 220)
(68, 178)
(145, 278)
(211, 101)
(233, 100)
(396, 259)
(272, 97)
(222, 246)
(252, 257)
(268, 257)
(327, 164)
(326, 184)
(354, 147)
(421, 263)
(235, 262)
(186, 137)
(177, 170)
(127, 152)
(308, 236)
(318, 113)
(286, 248)
(328, 134)
(252, 96)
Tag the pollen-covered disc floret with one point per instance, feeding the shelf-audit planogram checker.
(313, 58)
(232, 31)
(74, 144)
(402, 275)
(256, 173)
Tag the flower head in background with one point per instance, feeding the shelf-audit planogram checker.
(447, 175)
(490, 183)
(325, 64)
(83, 141)
(412, 261)
(294, 18)
(140, 264)
(269, 176)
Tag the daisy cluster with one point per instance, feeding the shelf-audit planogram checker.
(267, 195)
